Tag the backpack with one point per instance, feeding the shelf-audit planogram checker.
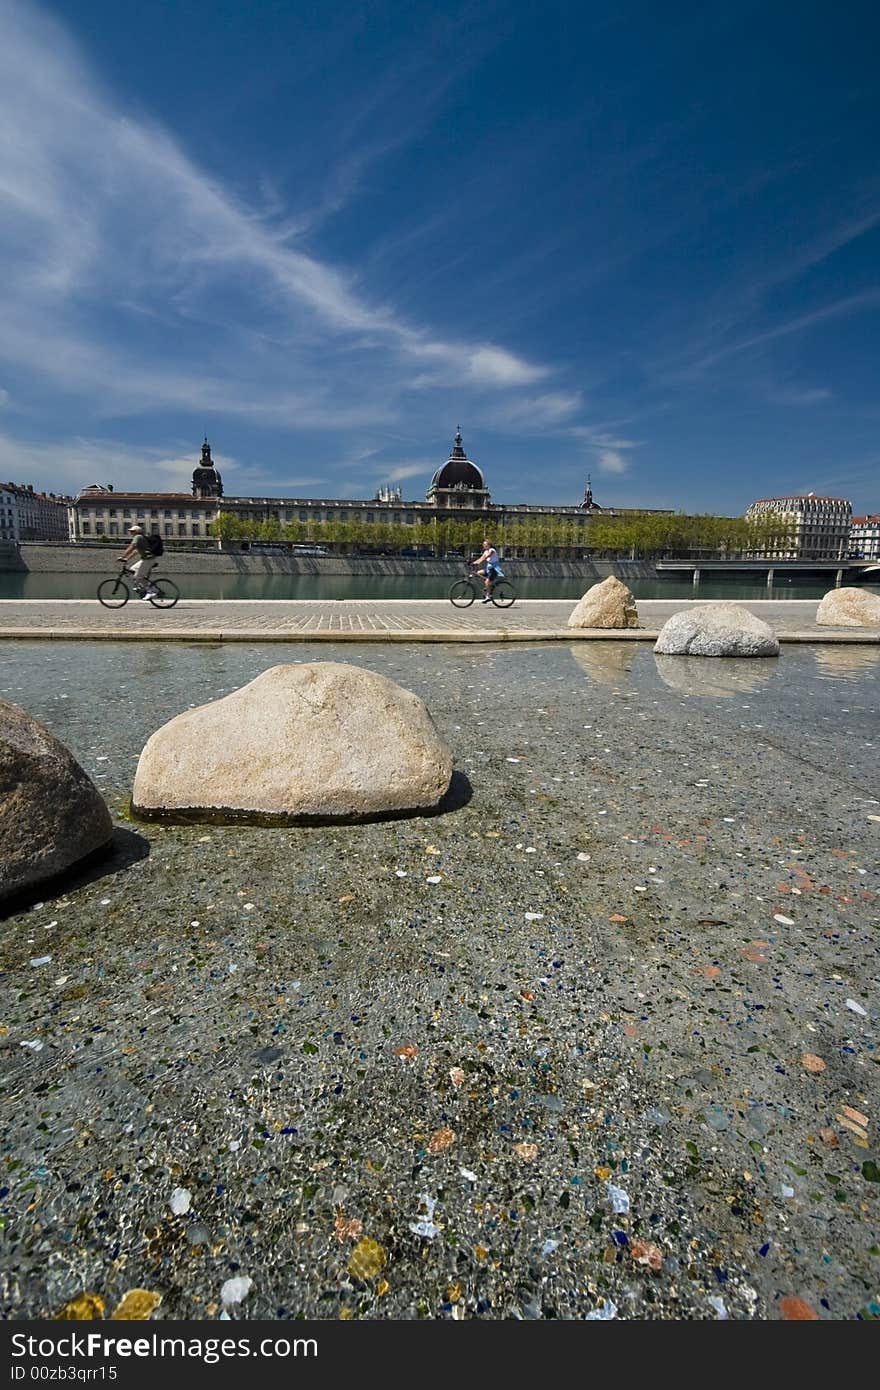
(156, 545)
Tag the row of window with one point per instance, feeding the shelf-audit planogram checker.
(111, 528)
(140, 512)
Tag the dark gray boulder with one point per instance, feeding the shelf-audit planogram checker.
(51, 813)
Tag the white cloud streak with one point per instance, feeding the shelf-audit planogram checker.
(841, 308)
(407, 470)
(108, 226)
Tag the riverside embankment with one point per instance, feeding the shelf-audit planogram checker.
(38, 558)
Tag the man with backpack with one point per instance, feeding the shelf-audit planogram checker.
(141, 551)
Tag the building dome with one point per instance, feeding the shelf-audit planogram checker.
(458, 470)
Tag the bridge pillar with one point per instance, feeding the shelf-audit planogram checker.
(696, 574)
(838, 579)
(770, 574)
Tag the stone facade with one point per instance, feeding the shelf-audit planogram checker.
(457, 492)
(26, 515)
(864, 543)
(811, 527)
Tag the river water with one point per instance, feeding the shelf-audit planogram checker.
(377, 586)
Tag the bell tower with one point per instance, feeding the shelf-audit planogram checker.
(206, 480)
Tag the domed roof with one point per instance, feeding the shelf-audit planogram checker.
(458, 470)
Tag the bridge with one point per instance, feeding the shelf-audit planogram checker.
(855, 569)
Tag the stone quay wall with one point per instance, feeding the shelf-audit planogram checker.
(39, 558)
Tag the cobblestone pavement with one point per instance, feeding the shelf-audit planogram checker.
(370, 619)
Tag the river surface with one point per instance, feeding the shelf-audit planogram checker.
(378, 586)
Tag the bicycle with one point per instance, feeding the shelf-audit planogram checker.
(115, 593)
(464, 592)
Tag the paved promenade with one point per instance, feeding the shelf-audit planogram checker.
(372, 620)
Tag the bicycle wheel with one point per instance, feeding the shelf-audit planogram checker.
(462, 594)
(168, 593)
(503, 594)
(113, 593)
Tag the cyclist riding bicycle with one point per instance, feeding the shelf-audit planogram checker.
(140, 551)
(492, 572)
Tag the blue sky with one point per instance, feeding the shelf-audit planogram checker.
(627, 239)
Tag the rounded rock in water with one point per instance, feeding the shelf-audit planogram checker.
(315, 741)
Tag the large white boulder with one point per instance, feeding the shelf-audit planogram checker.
(320, 740)
(607, 604)
(849, 608)
(51, 813)
(716, 629)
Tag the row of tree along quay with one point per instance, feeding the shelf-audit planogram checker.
(646, 536)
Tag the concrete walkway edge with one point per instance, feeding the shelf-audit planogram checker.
(486, 635)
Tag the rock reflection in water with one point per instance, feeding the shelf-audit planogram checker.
(714, 677)
(847, 661)
(605, 662)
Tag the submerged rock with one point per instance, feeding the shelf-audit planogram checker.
(849, 608)
(314, 741)
(608, 604)
(716, 629)
(51, 813)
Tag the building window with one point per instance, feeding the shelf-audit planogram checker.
(167, 511)
(303, 515)
(127, 513)
(112, 511)
(370, 516)
(86, 528)
(169, 529)
(114, 527)
(141, 513)
(196, 529)
(181, 528)
(154, 512)
(99, 528)
(180, 515)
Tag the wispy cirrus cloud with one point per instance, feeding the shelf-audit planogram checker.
(800, 323)
(108, 225)
(408, 470)
(78, 461)
(792, 395)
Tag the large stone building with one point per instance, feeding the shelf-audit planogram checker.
(810, 527)
(99, 510)
(457, 491)
(864, 543)
(26, 515)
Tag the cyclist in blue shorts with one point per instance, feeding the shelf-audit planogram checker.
(492, 570)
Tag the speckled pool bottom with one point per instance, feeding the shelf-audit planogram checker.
(599, 1042)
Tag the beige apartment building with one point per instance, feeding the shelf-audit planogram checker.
(865, 538)
(811, 527)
